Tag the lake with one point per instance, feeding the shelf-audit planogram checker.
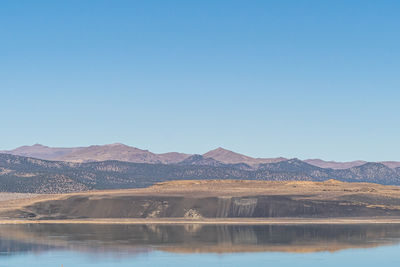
(76, 245)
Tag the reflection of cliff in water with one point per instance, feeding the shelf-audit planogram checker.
(194, 238)
(8, 247)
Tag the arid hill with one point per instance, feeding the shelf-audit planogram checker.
(229, 157)
(216, 199)
(95, 153)
(29, 175)
(334, 164)
(42, 152)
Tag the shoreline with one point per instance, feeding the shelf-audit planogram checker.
(212, 221)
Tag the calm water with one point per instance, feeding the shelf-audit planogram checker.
(196, 245)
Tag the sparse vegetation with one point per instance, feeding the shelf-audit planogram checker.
(27, 175)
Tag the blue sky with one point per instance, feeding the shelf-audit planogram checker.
(306, 79)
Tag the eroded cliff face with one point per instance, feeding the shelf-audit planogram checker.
(76, 207)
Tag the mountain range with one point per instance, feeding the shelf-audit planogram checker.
(107, 167)
(121, 152)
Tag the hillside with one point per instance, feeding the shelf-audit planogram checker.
(95, 153)
(42, 152)
(218, 199)
(29, 175)
(121, 152)
(230, 157)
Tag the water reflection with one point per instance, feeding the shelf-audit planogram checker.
(193, 238)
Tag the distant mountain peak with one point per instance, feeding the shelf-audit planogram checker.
(223, 149)
(117, 145)
(38, 145)
(294, 160)
(122, 152)
(40, 151)
(229, 157)
(334, 164)
(220, 150)
(200, 160)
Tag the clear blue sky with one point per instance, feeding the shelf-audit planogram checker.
(306, 79)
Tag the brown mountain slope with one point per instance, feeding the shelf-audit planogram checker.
(230, 157)
(115, 151)
(347, 165)
(391, 164)
(126, 153)
(121, 152)
(42, 152)
(334, 164)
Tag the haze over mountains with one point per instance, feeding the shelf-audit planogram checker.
(126, 153)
